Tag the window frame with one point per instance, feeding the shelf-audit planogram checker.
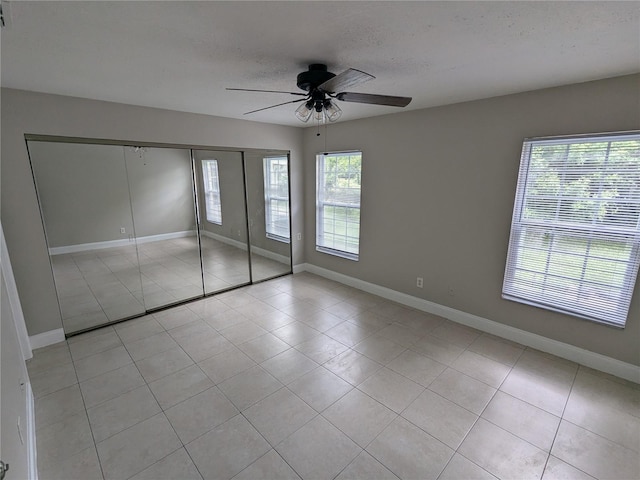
(559, 231)
(212, 193)
(270, 195)
(321, 203)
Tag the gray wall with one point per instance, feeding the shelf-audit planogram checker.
(27, 112)
(161, 187)
(87, 193)
(438, 187)
(83, 192)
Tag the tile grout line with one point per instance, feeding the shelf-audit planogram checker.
(564, 407)
(162, 411)
(456, 451)
(352, 348)
(86, 412)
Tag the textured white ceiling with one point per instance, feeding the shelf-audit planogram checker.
(181, 55)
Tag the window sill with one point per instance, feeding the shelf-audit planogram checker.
(338, 253)
(551, 308)
(278, 238)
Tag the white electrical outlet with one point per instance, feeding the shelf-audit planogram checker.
(123, 230)
(419, 282)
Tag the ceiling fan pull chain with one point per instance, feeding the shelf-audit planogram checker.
(325, 139)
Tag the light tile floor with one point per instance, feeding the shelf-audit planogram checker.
(301, 377)
(96, 287)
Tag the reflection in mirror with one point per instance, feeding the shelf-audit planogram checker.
(267, 177)
(86, 211)
(223, 221)
(125, 236)
(162, 202)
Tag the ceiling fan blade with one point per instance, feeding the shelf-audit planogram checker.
(374, 99)
(273, 106)
(267, 91)
(346, 79)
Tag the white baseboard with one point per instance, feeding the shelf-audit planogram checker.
(226, 240)
(270, 255)
(243, 246)
(579, 355)
(570, 352)
(83, 247)
(301, 267)
(123, 242)
(166, 236)
(47, 338)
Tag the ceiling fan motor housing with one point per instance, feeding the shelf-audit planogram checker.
(314, 77)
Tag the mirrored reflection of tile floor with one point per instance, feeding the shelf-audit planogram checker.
(301, 377)
(99, 286)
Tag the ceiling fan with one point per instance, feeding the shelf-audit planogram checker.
(323, 88)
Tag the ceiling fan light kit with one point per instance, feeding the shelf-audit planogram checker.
(332, 111)
(324, 88)
(320, 110)
(304, 111)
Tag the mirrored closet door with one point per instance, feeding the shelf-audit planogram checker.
(133, 229)
(267, 178)
(223, 219)
(164, 215)
(86, 210)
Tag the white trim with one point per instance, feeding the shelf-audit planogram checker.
(271, 255)
(579, 355)
(243, 246)
(14, 299)
(47, 338)
(227, 240)
(25, 346)
(32, 464)
(123, 242)
(166, 236)
(83, 247)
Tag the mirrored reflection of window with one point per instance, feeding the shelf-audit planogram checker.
(212, 191)
(276, 198)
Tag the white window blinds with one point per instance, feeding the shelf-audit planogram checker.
(276, 198)
(213, 205)
(575, 232)
(338, 178)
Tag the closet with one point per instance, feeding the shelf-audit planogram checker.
(133, 228)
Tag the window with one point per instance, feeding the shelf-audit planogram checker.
(276, 198)
(575, 233)
(213, 205)
(338, 204)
